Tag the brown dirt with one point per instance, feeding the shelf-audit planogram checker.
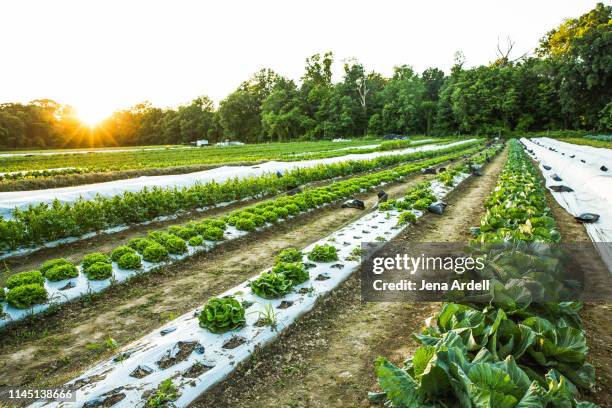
(49, 350)
(326, 359)
(595, 316)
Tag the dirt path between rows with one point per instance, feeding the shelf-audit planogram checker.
(52, 349)
(326, 359)
(596, 317)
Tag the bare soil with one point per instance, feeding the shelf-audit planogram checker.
(326, 359)
(50, 349)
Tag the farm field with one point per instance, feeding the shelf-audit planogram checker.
(46, 216)
(64, 340)
(221, 205)
(47, 169)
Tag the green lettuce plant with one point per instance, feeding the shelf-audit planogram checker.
(323, 253)
(270, 285)
(25, 296)
(25, 278)
(222, 314)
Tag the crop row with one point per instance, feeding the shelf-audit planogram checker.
(520, 349)
(48, 222)
(27, 289)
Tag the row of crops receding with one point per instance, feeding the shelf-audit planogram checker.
(43, 223)
(27, 289)
(516, 350)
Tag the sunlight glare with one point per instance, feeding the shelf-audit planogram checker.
(91, 115)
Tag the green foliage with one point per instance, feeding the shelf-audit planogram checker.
(289, 255)
(406, 217)
(517, 209)
(245, 224)
(62, 271)
(99, 271)
(47, 222)
(166, 393)
(196, 241)
(295, 271)
(212, 233)
(118, 252)
(182, 232)
(52, 263)
(172, 243)
(95, 257)
(270, 285)
(222, 314)
(512, 353)
(25, 296)
(139, 244)
(129, 260)
(323, 253)
(154, 252)
(25, 278)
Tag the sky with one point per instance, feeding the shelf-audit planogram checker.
(103, 55)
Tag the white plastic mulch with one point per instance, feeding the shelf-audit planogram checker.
(22, 199)
(114, 379)
(592, 186)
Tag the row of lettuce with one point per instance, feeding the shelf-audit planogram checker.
(26, 289)
(47, 222)
(518, 351)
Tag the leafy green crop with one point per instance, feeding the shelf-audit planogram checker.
(62, 271)
(212, 233)
(295, 271)
(99, 271)
(222, 314)
(154, 252)
(118, 252)
(25, 278)
(52, 263)
(514, 352)
(51, 221)
(196, 241)
(406, 217)
(323, 253)
(129, 260)
(289, 255)
(165, 393)
(90, 259)
(270, 285)
(25, 296)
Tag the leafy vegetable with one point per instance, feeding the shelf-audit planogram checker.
(25, 296)
(222, 314)
(323, 253)
(25, 278)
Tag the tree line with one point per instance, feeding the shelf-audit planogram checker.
(565, 85)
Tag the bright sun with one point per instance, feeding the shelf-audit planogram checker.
(91, 115)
